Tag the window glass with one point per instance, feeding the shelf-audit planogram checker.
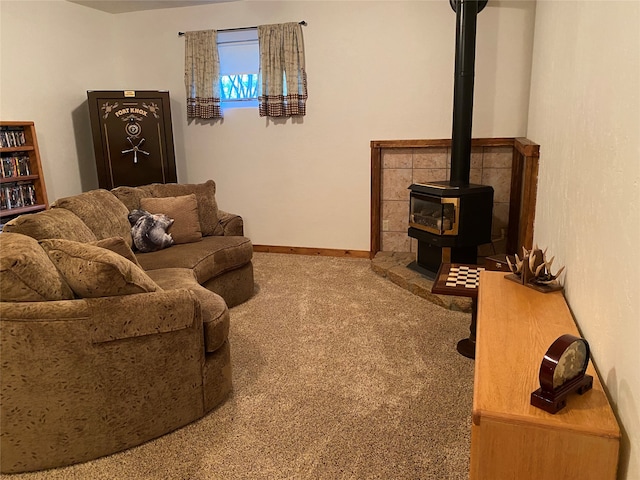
(239, 66)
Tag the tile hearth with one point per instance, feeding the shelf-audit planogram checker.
(393, 266)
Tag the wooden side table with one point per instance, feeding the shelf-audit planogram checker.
(510, 438)
(461, 280)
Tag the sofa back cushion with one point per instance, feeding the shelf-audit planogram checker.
(93, 271)
(53, 223)
(119, 246)
(130, 196)
(183, 210)
(101, 211)
(205, 195)
(26, 272)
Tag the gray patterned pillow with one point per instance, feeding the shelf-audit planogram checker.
(149, 231)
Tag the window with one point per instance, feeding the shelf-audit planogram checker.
(239, 67)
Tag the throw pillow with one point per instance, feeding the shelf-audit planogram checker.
(93, 271)
(184, 211)
(204, 192)
(26, 273)
(149, 231)
(119, 246)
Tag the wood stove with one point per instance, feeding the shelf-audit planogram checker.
(449, 222)
(450, 219)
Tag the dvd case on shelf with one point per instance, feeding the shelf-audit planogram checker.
(17, 195)
(15, 166)
(12, 137)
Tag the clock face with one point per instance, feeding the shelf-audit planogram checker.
(571, 363)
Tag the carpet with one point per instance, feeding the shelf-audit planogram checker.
(338, 374)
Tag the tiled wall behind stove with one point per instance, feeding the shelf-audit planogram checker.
(403, 166)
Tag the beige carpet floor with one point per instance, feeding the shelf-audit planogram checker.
(338, 374)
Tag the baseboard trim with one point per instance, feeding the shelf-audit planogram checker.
(326, 252)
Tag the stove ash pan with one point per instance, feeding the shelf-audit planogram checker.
(451, 216)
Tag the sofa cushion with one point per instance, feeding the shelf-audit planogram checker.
(208, 258)
(119, 246)
(183, 210)
(53, 223)
(130, 196)
(101, 211)
(205, 194)
(26, 272)
(215, 314)
(93, 271)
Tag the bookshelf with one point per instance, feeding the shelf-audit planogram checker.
(22, 186)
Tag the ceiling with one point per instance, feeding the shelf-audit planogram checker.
(123, 6)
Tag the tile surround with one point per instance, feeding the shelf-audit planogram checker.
(403, 166)
(500, 180)
(396, 215)
(398, 158)
(435, 157)
(395, 183)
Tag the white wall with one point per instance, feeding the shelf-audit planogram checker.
(585, 114)
(51, 53)
(376, 70)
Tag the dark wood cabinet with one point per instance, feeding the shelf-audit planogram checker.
(132, 137)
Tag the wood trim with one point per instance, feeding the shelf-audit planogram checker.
(324, 252)
(442, 142)
(376, 199)
(526, 147)
(529, 198)
(40, 186)
(18, 123)
(515, 203)
(524, 190)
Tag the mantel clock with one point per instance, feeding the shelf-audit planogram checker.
(562, 372)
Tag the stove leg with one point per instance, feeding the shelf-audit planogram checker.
(467, 346)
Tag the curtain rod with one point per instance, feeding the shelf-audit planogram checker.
(303, 23)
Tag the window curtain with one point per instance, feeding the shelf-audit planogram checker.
(282, 71)
(202, 74)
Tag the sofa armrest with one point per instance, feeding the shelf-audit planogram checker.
(102, 374)
(104, 319)
(232, 224)
(128, 316)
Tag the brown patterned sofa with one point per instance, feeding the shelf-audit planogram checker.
(103, 349)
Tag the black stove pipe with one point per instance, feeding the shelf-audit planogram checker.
(466, 16)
